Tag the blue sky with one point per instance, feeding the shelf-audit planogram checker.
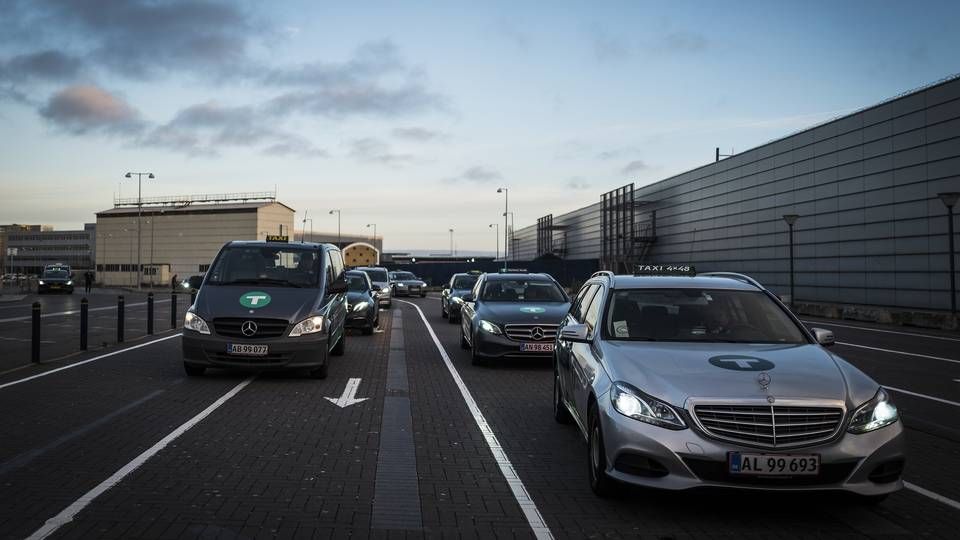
(411, 114)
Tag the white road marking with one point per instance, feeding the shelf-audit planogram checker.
(67, 514)
(951, 360)
(935, 496)
(349, 396)
(924, 396)
(76, 311)
(529, 507)
(87, 361)
(915, 334)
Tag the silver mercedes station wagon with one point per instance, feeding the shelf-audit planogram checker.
(679, 382)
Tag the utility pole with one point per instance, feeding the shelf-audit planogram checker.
(339, 237)
(139, 176)
(497, 238)
(506, 210)
(950, 200)
(791, 219)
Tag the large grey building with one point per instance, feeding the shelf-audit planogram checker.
(32, 248)
(871, 228)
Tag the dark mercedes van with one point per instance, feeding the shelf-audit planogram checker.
(268, 305)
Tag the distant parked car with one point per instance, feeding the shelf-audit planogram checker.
(407, 284)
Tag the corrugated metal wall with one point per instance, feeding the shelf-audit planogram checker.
(872, 229)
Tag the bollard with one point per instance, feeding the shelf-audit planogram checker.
(83, 324)
(35, 334)
(120, 319)
(173, 310)
(150, 314)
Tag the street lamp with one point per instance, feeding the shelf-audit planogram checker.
(303, 229)
(305, 220)
(506, 209)
(791, 219)
(451, 242)
(139, 176)
(374, 225)
(497, 238)
(510, 232)
(338, 225)
(949, 200)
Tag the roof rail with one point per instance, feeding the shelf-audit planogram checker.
(604, 273)
(733, 275)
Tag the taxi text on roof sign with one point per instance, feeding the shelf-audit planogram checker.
(277, 238)
(664, 270)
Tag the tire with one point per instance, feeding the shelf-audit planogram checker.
(194, 371)
(453, 319)
(560, 412)
(368, 330)
(476, 359)
(463, 340)
(320, 372)
(341, 346)
(443, 311)
(423, 295)
(602, 485)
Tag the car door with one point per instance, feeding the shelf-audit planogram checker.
(338, 302)
(468, 311)
(574, 316)
(583, 362)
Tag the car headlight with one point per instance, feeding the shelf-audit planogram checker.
(360, 306)
(185, 284)
(192, 321)
(41, 282)
(631, 402)
(70, 282)
(310, 325)
(385, 290)
(874, 414)
(488, 326)
(401, 285)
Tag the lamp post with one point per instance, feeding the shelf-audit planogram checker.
(506, 209)
(303, 229)
(305, 220)
(497, 238)
(949, 200)
(505, 233)
(139, 176)
(339, 239)
(791, 219)
(374, 225)
(451, 242)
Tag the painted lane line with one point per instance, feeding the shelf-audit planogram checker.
(891, 351)
(935, 496)
(520, 493)
(67, 514)
(87, 361)
(77, 311)
(924, 396)
(914, 334)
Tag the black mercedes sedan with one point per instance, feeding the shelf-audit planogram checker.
(512, 316)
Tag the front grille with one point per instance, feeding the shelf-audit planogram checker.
(718, 471)
(266, 328)
(526, 332)
(771, 426)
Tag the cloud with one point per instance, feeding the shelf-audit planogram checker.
(417, 134)
(510, 32)
(477, 175)
(50, 64)
(577, 182)
(371, 150)
(683, 42)
(618, 153)
(85, 108)
(608, 47)
(634, 166)
(294, 146)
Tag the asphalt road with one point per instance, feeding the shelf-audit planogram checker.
(120, 443)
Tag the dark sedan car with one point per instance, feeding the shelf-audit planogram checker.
(407, 284)
(362, 309)
(512, 316)
(452, 296)
(55, 280)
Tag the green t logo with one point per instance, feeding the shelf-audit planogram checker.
(254, 299)
(532, 309)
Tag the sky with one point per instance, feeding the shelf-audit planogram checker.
(411, 114)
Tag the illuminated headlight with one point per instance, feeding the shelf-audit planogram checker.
(385, 290)
(185, 284)
(488, 326)
(456, 299)
(41, 282)
(631, 402)
(192, 321)
(401, 285)
(310, 325)
(360, 306)
(70, 282)
(874, 414)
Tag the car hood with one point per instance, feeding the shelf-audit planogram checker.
(354, 297)
(523, 312)
(380, 285)
(675, 372)
(290, 303)
(458, 293)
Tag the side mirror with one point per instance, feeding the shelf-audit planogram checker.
(195, 282)
(823, 337)
(468, 297)
(338, 286)
(575, 333)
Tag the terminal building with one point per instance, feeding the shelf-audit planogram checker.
(29, 248)
(868, 195)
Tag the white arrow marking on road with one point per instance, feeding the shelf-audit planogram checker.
(347, 398)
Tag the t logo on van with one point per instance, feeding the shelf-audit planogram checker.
(254, 299)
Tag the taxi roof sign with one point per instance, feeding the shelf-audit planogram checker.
(664, 270)
(277, 238)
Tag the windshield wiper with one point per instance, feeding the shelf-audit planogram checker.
(260, 281)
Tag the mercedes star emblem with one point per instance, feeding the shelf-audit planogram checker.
(764, 380)
(248, 328)
(536, 333)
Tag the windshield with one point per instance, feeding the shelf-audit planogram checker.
(356, 283)
(56, 274)
(706, 315)
(521, 290)
(377, 275)
(402, 276)
(464, 282)
(266, 265)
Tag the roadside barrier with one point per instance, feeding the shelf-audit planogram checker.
(120, 319)
(84, 323)
(149, 314)
(35, 333)
(173, 310)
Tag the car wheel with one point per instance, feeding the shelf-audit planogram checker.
(320, 372)
(453, 319)
(560, 412)
(601, 484)
(194, 371)
(423, 295)
(463, 340)
(341, 346)
(368, 330)
(443, 311)
(476, 359)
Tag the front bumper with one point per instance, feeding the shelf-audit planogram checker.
(646, 455)
(55, 287)
(362, 319)
(409, 290)
(308, 351)
(489, 345)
